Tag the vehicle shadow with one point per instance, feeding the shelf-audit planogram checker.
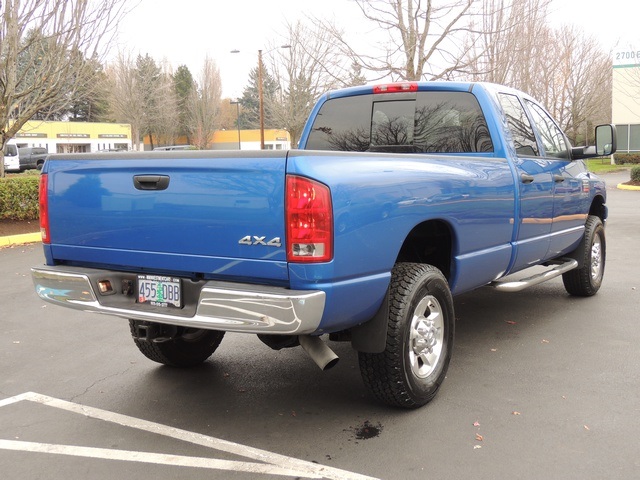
(244, 374)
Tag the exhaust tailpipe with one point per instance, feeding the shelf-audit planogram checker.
(324, 357)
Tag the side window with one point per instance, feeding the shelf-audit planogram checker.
(553, 140)
(521, 130)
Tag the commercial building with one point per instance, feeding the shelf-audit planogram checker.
(626, 98)
(250, 140)
(274, 139)
(74, 137)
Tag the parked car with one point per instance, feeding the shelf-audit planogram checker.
(175, 147)
(32, 157)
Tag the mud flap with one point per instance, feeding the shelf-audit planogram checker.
(371, 336)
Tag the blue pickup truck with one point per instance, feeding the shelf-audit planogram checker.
(400, 197)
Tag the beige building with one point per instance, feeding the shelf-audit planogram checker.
(626, 98)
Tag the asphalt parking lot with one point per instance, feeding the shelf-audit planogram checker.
(541, 385)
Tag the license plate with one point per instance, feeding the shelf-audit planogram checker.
(160, 291)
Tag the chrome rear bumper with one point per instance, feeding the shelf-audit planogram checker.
(233, 307)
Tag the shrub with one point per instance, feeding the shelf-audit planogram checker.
(635, 173)
(627, 158)
(19, 197)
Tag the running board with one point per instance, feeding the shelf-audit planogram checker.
(561, 266)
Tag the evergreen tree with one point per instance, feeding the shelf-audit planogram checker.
(183, 86)
(148, 76)
(250, 101)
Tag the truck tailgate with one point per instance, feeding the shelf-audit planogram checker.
(216, 214)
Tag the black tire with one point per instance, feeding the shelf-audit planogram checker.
(189, 348)
(586, 280)
(409, 372)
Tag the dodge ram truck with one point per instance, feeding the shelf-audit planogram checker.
(398, 198)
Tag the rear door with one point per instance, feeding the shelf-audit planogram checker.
(535, 185)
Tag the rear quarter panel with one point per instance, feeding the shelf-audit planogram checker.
(379, 198)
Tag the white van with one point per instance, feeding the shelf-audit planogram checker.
(11, 158)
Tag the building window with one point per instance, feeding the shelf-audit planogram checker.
(634, 137)
(628, 137)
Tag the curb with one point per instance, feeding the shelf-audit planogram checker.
(622, 186)
(20, 239)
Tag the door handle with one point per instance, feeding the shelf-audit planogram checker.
(558, 178)
(524, 178)
(151, 182)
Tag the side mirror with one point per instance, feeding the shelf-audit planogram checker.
(606, 140)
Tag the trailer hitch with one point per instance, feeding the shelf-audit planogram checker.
(154, 332)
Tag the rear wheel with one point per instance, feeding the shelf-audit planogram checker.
(173, 345)
(409, 372)
(586, 280)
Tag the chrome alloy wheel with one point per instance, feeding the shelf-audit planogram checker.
(596, 259)
(426, 337)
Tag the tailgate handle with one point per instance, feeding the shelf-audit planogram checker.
(151, 182)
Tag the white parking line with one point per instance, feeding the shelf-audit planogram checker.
(271, 463)
(146, 457)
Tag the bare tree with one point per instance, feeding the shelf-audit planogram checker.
(582, 84)
(42, 46)
(127, 104)
(204, 104)
(167, 123)
(143, 95)
(424, 39)
(562, 68)
(508, 48)
(304, 71)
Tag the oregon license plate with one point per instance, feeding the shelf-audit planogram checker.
(160, 291)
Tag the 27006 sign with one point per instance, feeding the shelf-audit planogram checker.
(627, 57)
(160, 291)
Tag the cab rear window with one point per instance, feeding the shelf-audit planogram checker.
(422, 122)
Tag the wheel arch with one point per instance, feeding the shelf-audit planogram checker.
(430, 242)
(598, 208)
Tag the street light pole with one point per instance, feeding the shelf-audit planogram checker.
(261, 99)
(260, 92)
(237, 104)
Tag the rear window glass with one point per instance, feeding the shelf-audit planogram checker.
(430, 122)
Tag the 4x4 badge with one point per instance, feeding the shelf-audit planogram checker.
(255, 240)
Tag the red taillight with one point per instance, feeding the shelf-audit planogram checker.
(309, 219)
(44, 209)
(396, 87)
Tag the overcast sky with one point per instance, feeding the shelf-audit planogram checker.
(184, 32)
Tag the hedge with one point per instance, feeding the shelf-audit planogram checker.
(635, 173)
(19, 197)
(627, 158)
